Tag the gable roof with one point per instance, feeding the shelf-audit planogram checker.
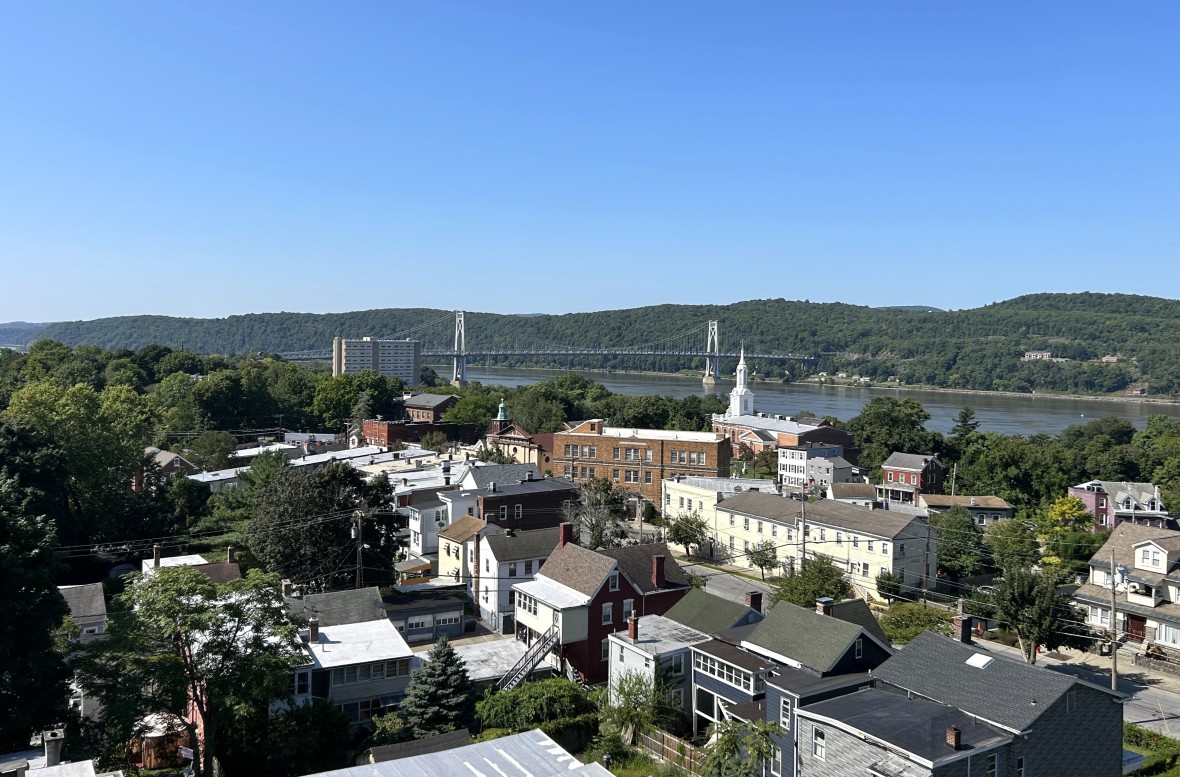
(812, 639)
(1004, 691)
(853, 491)
(337, 608)
(480, 477)
(635, 561)
(532, 543)
(578, 568)
(914, 461)
(1123, 539)
(706, 612)
(946, 501)
(463, 529)
(857, 611)
(85, 601)
(827, 512)
(220, 571)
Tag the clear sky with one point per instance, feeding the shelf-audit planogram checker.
(209, 158)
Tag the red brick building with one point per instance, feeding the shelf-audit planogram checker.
(637, 459)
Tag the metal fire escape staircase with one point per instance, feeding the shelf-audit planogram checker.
(530, 661)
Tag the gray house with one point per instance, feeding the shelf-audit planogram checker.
(657, 648)
(941, 707)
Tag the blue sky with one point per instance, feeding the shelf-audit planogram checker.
(205, 159)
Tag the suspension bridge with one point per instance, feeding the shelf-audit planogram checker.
(701, 342)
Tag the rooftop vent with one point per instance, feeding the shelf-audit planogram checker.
(980, 661)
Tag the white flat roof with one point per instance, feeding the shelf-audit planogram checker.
(357, 643)
(260, 449)
(553, 593)
(174, 561)
(662, 434)
(218, 474)
(659, 635)
(724, 485)
(486, 660)
(769, 424)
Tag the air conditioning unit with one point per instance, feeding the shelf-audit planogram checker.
(1134, 588)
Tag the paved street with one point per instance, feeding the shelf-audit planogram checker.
(723, 584)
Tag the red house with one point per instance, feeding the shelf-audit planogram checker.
(904, 475)
(580, 597)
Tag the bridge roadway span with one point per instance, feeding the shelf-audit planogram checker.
(451, 354)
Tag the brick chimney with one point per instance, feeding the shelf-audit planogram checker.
(823, 605)
(313, 630)
(633, 628)
(565, 534)
(288, 588)
(754, 600)
(229, 555)
(657, 571)
(954, 738)
(156, 556)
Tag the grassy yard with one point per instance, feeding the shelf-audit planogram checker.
(1163, 753)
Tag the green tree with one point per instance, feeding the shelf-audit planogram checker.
(906, 620)
(212, 450)
(440, 697)
(818, 577)
(889, 424)
(302, 523)
(638, 702)
(308, 738)
(740, 749)
(961, 550)
(178, 639)
(763, 556)
(33, 677)
(533, 704)
(435, 441)
(688, 529)
(389, 729)
(889, 584)
(1012, 544)
(1038, 612)
(599, 514)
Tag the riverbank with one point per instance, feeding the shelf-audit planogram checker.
(909, 388)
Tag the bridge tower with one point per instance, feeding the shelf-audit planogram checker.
(712, 355)
(459, 374)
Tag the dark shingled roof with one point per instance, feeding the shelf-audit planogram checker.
(857, 611)
(578, 568)
(817, 641)
(635, 562)
(220, 571)
(1007, 692)
(340, 607)
(854, 491)
(429, 401)
(85, 601)
(914, 461)
(705, 612)
(533, 543)
(501, 474)
(915, 726)
(432, 744)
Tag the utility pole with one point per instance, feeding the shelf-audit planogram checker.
(803, 532)
(925, 563)
(1114, 640)
(360, 544)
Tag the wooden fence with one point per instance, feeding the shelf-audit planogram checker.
(672, 750)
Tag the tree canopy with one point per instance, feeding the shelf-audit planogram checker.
(817, 578)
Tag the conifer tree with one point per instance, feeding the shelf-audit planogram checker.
(440, 697)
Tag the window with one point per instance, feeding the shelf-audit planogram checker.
(369, 708)
(511, 597)
(760, 527)
(593, 473)
(700, 505)
(676, 698)
(446, 620)
(731, 542)
(855, 541)
(519, 512)
(731, 523)
(839, 538)
(784, 714)
(485, 563)
(776, 761)
(352, 711)
(1145, 556)
(746, 524)
(901, 549)
(774, 530)
(606, 649)
(860, 648)
(300, 683)
(729, 673)
(1167, 632)
(614, 581)
(889, 476)
(817, 744)
(681, 503)
(608, 613)
(678, 664)
(512, 569)
(647, 477)
(628, 608)
(615, 454)
(568, 471)
(614, 475)
(884, 548)
(528, 567)
(864, 569)
(869, 544)
(416, 623)
(503, 512)
(397, 668)
(991, 765)
(1020, 766)
(702, 462)
(692, 457)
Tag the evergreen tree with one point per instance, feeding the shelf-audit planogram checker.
(440, 697)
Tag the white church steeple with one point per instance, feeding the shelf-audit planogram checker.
(741, 401)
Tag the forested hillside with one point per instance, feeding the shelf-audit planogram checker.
(978, 349)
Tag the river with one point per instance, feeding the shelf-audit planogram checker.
(1003, 413)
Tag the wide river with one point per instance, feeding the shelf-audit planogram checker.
(995, 412)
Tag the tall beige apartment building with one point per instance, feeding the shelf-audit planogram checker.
(392, 358)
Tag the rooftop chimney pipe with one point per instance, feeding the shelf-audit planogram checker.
(156, 556)
(313, 630)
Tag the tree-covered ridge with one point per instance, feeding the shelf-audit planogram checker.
(979, 348)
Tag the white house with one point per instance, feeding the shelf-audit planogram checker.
(503, 560)
(653, 645)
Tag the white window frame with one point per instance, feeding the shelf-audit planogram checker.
(819, 743)
(608, 613)
(613, 581)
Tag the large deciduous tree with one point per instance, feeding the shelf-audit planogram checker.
(688, 529)
(888, 424)
(1038, 612)
(1012, 544)
(211, 653)
(818, 577)
(961, 551)
(33, 673)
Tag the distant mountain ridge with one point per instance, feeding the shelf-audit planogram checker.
(976, 348)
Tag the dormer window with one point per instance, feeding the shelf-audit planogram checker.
(1127, 503)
